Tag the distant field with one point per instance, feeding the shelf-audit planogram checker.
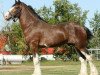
(48, 68)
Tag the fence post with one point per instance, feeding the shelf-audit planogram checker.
(2, 59)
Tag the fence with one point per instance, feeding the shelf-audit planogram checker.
(95, 53)
(13, 59)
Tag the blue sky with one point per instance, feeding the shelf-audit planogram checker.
(91, 5)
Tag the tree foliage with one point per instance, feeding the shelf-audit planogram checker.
(16, 40)
(95, 25)
(63, 11)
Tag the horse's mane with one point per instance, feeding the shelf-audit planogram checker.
(33, 11)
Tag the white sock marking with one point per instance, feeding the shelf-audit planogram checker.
(37, 69)
(83, 70)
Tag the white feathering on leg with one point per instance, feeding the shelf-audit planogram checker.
(93, 69)
(83, 70)
(37, 69)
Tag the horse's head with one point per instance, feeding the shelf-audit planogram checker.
(13, 12)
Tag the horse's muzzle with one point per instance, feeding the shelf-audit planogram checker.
(7, 16)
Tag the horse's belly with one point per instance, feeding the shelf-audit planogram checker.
(51, 42)
(46, 43)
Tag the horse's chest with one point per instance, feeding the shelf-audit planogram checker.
(32, 36)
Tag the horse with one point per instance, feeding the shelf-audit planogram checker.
(39, 33)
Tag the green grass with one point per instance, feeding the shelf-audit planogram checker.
(15, 73)
(48, 68)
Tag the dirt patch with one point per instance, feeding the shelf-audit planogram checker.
(14, 68)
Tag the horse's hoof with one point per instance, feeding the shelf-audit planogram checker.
(94, 74)
(82, 74)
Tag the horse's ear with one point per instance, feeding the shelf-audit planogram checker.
(15, 1)
(18, 0)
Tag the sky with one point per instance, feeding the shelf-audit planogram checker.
(91, 5)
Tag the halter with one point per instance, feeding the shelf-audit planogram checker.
(13, 17)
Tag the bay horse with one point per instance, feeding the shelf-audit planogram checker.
(39, 33)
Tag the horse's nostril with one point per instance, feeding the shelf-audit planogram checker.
(5, 17)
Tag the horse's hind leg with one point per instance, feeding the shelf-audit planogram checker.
(83, 70)
(82, 58)
(93, 69)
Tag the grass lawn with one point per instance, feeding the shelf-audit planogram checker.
(48, 68)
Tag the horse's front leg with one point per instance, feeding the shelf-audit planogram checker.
(37, 69)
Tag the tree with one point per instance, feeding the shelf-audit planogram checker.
(95, 25)
(16, 40)
(47, 14)
(63, 11)
(67, 12)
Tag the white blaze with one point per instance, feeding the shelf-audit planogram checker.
(7, 14)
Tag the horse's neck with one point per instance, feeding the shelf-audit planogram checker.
(27, 19)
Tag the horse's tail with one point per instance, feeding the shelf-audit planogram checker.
(89, 33)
